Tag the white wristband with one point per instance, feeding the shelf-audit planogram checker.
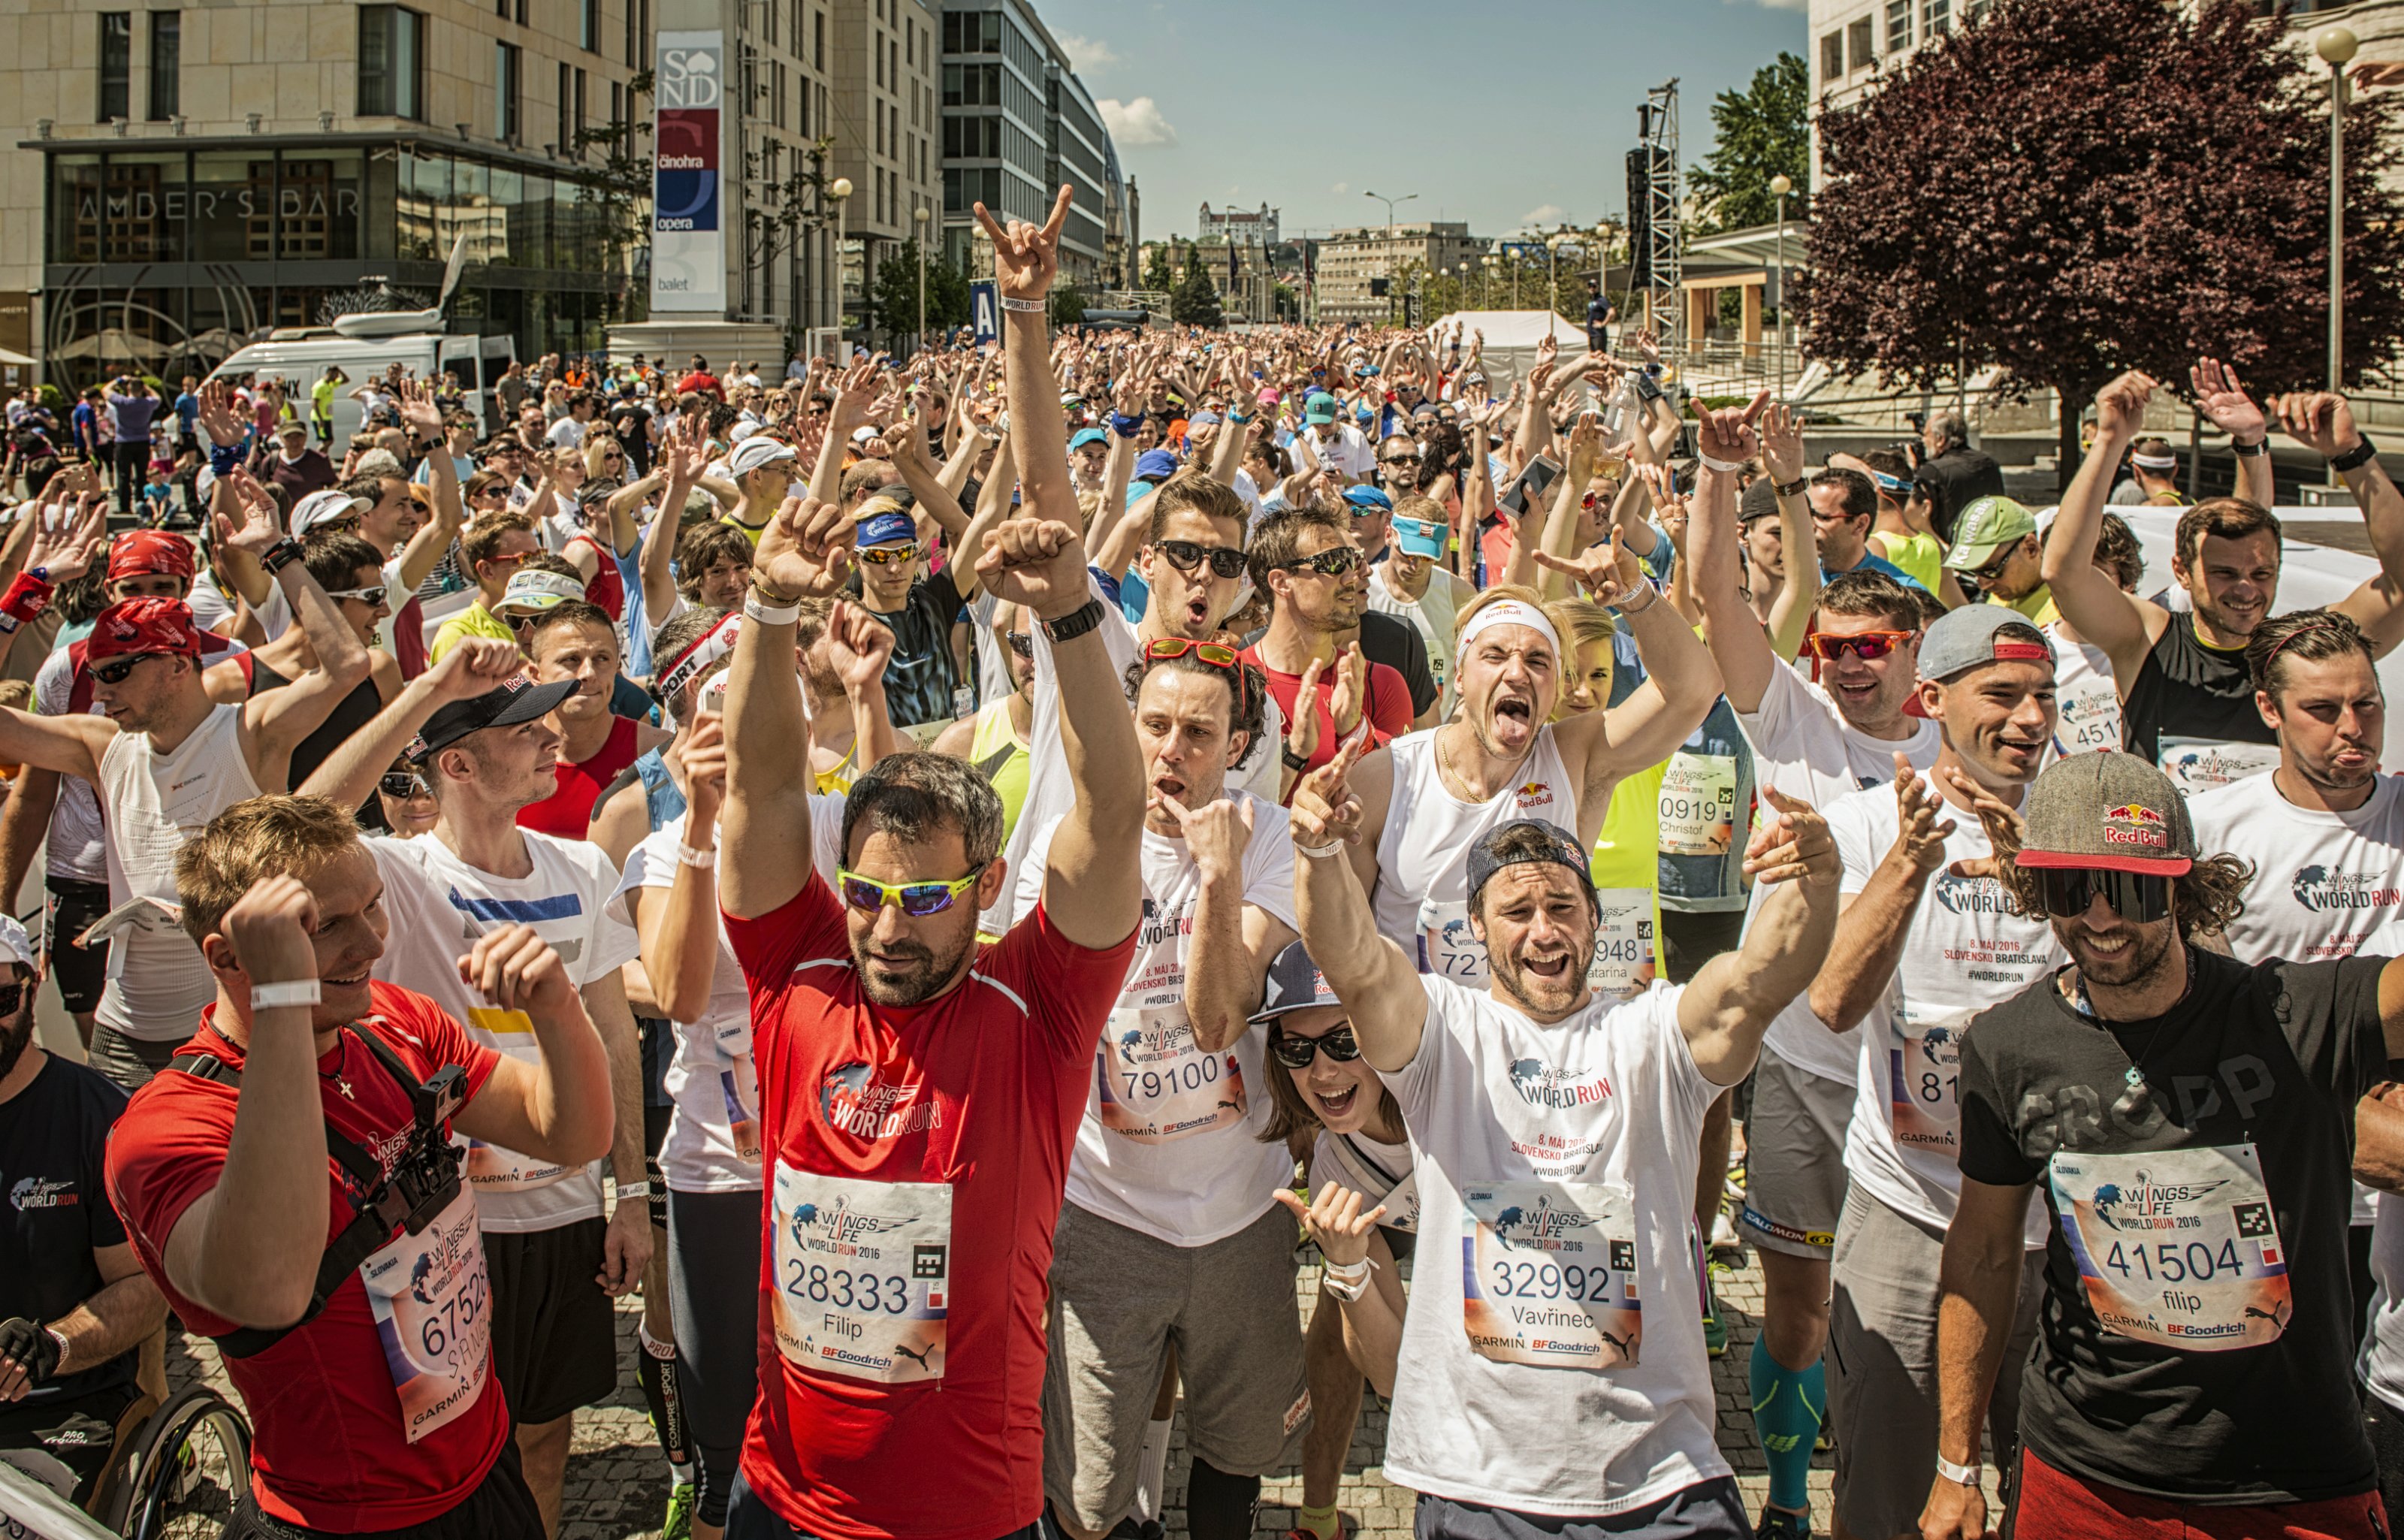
(1960, 1476)
(633, 1189)
(687, 856)
(1023, 307)
(1726, 468)
(769, 614)
(1319, 852)
(269, 996)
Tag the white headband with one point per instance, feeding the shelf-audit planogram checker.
(2155, 462)
(1509, 612)
(706, 649)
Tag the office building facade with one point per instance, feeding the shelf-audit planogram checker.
(1017, 125)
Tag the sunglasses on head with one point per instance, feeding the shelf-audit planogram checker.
(882, 555)
(1225, 561)
(401, 785)
(2137, 897)
(916, 899)
(1868, 646)
(118, 670)
(1332, 563)
(1295, 1053)
(369, 597)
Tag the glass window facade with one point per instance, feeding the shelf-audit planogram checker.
(166, 64)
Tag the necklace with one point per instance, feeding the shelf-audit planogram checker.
(2136, 1100)
(1459, 783)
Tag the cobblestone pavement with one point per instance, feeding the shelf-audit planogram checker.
(617, 1487)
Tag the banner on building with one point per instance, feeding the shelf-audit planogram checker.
(984, 311)
(687, 226)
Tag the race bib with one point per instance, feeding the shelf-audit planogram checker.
(1699, 805)
(741, 1090)
(490, 1168)
(1445, 946)
(2176, 1247)
(863, 1275)
(433, 1312)
(1623, 963)
(1154, 1084)
(2199, 764)
(2089, 718)
(1548, 1274)
(1924, 1082)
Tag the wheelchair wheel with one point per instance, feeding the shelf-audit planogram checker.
(189, 1467)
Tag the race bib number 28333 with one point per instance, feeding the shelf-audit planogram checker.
(863, 1275)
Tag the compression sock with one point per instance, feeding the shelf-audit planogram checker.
(1219, 1506)
(1787, 1406)
(1322, 1523)
(1151, 1474)
(655, 1370)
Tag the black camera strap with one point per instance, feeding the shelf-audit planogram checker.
(383, 1212)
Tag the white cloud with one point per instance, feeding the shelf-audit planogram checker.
(1341, 186)
(1136, 123)
(1086, 54)
(1543, 214)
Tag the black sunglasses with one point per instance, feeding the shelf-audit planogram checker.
(1295, 1053)
(1021, 642)
(1332, 563)
(1184, 556)
(401, 785)
(2135, 897)
(118, 670)
(12, 996)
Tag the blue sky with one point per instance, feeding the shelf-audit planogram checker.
(1493, 111)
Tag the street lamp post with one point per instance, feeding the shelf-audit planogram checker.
(1390, 203)
(2336, 45)
(1553, 273)
(840, 192)
(919, 216)
(1781, 185)
(1464, 285)
(1486, 282)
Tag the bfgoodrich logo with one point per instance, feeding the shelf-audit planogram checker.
(2318, 888)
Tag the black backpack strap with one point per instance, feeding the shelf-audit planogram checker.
(370, 1228)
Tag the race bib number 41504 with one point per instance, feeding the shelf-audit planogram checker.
(2178, 1247)
(1548, 1274)
(863, 1275)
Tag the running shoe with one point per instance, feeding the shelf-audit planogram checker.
(678, 1523)
(1715, 1335)
(1779, 1524)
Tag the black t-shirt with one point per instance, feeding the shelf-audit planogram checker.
(924, 670)
(52, 1134)
(2191, 690)
(1396, 643)
(2254, 1075)
(629, 422)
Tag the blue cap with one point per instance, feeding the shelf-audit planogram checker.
(1203, 419)
(1089, 436)
(1366, 497)
(1295, 984)
(887, 529)
(1155, 465)
(1420, 537)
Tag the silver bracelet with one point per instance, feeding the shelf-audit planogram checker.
(270, 997)
(1647, 584)
(687, 856)
(784, 615)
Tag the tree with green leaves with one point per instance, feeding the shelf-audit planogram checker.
(1763, 131)
(893, 298)
(1156, 275)
(2064, 192)
(1195, 301)
(1068, 305)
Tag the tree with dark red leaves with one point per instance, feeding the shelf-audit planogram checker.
(2068, 191)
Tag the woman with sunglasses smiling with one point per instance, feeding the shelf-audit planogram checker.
(1329, 1110)
(2191, 1120)
(406, 800)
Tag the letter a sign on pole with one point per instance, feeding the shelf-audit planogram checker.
(987, 311)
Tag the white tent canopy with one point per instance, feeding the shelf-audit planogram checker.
(1511, 340)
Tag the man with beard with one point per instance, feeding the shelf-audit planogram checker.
(1557, 1374)
(74, 1305)
(919, 1094)
(1318, 582)
(1927, 941)
(2186, 1117)
(2187, 703)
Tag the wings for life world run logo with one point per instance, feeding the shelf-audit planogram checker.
(1543, 1085)
(2139, 1205)
(2319, 889)
(1972, 895)
(852, 1102)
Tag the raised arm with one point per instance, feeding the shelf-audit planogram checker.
(1798, 538)
(2324, 423)
(2123, 625)
(683, 454)
(280, 719)
(348, 775)
(1871, 932)
(942, 503)
(1234, 942)
(1735, 996)
(1379, 985)
(560, 1107)
(2221, 398)
(852, 394)
(1681, 681)
(422, 417)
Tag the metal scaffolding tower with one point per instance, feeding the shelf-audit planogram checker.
(1653, 215)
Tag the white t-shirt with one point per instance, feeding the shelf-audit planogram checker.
(2085, 695)
(1343, 451)
(567, 433)
(1432, 614)
(1380, 1173)
(439, 906)
(1803, 747)
(1967, 949)
(712, 1078)
(213, 606)
(1533, 1145)
(1170, 1141)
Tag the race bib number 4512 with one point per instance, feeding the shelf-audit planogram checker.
(863, 1275)
(2176, 1247)
(1548, 1274)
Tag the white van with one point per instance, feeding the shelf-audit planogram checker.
(301, 356)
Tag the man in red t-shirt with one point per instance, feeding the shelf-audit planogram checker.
(920, 1094)
(1318, 582)
(371, 1395)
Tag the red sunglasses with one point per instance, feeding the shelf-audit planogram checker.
(1864, 645)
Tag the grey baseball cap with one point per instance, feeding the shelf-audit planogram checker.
(1965, 638)
(2110, 812)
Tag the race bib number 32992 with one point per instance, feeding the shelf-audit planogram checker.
(1548, 1274)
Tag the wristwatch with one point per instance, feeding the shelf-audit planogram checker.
(1292, 761)
(1076, 623)
(2247, 452)
(284, 553)
(2360, 454)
